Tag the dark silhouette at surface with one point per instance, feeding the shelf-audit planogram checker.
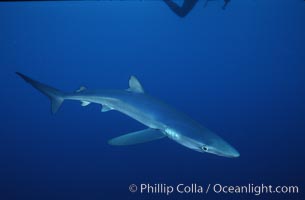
(187, 6)
(183, 10)
(225, 4)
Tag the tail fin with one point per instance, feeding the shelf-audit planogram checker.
(56, 96)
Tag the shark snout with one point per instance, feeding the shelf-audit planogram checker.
(224, 149)
(233, 153)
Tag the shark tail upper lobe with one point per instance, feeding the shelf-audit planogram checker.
(56, 96)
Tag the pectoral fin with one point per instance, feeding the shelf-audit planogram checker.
(138, 137)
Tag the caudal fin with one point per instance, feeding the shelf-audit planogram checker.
(56, 96)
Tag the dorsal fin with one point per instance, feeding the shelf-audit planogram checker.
(135, 85)
(82, 88)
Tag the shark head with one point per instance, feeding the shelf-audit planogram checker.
(219, 147)
(205, 142)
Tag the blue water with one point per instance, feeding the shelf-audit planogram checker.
(240, 72)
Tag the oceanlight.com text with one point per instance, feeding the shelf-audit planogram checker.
(195, 188)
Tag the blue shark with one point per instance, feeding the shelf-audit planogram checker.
(161, 119)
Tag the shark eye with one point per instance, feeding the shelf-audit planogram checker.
(204, 148)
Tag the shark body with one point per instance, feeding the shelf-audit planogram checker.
(161, 119)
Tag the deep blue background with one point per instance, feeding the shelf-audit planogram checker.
(240, 72)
